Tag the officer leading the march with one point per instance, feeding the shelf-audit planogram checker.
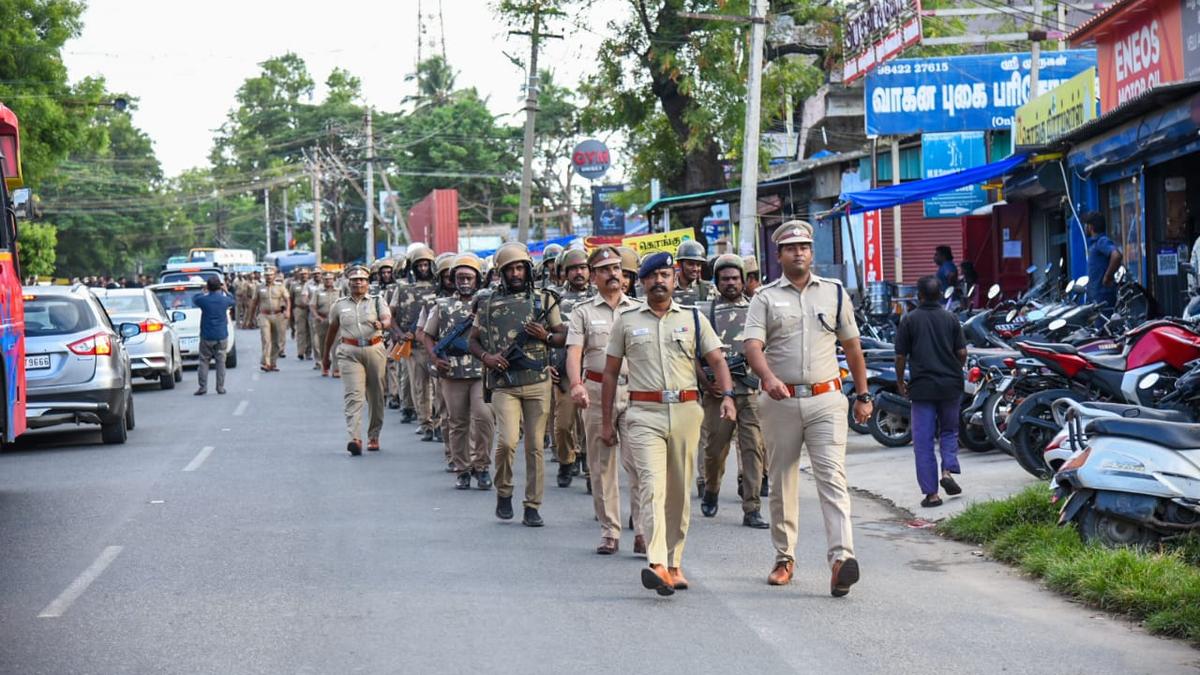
(792, 330)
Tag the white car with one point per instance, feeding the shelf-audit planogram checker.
(178, 297)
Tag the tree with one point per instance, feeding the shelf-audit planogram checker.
(35, 248)
(435, 82)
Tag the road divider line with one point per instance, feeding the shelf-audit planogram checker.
(199, 458)
(63, 602)
(241, 408)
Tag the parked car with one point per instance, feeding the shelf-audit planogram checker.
(178, 298)
(190, 272)
(155, 353)
(77, 368)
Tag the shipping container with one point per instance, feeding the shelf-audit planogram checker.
(434, 220)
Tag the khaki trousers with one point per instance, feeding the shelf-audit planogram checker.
(715, 448)
(392, 383)
(422, 392)
(471, 422)
(602, 464)
(362, 381)
(319, 329)
(303, 336)
(530, 404)
(406, 400)
(566, 427)
(273, 330)
(818, 422)
(242, 309)
(664, 438)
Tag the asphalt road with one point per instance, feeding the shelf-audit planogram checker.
(234, 534)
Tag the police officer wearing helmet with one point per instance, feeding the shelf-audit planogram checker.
(662, 341)
(549, 271)
(629, 270)
(793, 328)
(568, 441)
(470, 419)
(407, 310)
(446, 289)
(727, 313)
(356, 326)
(690, 288)
(517, 315)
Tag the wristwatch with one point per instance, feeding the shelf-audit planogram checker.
(864, 398)
(729, 393)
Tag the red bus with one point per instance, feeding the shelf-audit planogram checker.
(12, 304)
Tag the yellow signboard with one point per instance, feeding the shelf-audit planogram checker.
(1058, 111)
(663, 241)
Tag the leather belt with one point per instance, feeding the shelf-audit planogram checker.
(599, 377)
(269, 312)
(809, 390)
(673, 396)
(355, 342)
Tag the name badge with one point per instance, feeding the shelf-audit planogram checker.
(780, 304)
(599, 322)
(680, 329)
(639, 331)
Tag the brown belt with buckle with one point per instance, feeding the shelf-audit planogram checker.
(355, 342)
(674, 396)
(808, 390)
(599, 377)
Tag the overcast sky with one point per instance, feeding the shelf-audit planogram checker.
(185, 60)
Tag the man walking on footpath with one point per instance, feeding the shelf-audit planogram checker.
(930, 341)
(214, 306)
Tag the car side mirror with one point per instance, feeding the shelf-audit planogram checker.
(128, 330)
(178, 316)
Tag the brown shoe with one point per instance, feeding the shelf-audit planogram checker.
(373, 445)
(639, 544)
(608, 546)
(658, 579)
(679, 581)
(782, 574)
(845, 575)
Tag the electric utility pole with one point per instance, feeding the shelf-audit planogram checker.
(531, 108)
(748, 206)
(267, 216)
(316, 222)
(369, 198)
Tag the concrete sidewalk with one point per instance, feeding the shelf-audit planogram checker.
(890, 475)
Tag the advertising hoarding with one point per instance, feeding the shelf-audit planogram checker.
(877, 30)
(1058, 111)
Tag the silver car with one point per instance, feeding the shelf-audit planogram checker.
(153, 354)
(76, 365)
(177, 297)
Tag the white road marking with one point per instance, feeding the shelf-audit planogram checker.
(241, 408)
(63, 602)
(199, 458)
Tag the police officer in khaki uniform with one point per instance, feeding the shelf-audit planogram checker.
(589, 328)
(356, 327)
(243, 290)
(319, 307)
(663, 341)
(470, 419)
(792, 330)
(753, 276)
(573, 265)
(629, 270)
(690, 289)
(520, 387)
(299, 317)
(409, 303)
(727, 313)
(270, 304)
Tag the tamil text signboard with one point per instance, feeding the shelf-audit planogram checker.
(873, 246)
(1058, 111)
(961, 93)
(877, 30)
(946, 153)
(663, 241)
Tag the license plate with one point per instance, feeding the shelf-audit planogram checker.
(37, 362)
(189, 343)
(1005, 383)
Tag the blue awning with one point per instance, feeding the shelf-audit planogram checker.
(894, 195)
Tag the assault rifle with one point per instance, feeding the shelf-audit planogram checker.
(454, 342)
(739, 370)
(515, 354)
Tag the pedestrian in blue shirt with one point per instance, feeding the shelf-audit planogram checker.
(947, 273)
(214, 306)
(1104, 258)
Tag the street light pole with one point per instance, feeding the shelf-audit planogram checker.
(748, 206)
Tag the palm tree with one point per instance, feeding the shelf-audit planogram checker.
(435, 83)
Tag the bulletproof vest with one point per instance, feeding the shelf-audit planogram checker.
(452, 310)
(698, 292)
(503, 316)
(729, 321)
(413, 300)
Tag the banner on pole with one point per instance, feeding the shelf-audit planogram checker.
(873, 246)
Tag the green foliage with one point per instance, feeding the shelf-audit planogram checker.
(35, 248)
(984, 521)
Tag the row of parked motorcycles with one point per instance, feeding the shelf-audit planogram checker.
(1105, 406)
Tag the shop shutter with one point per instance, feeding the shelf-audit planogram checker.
(921, 236)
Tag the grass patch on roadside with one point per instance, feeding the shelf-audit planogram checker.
(1161, 589)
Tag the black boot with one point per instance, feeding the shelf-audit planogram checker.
(464, 481)
(407, 416)
(754, 519)
(577, 465)
(483, 480)
(504, 508)
(708, 504)
(531, 519)
(437, 434)
(564, 475)
(428, 436)
(589, 485)
(765, 491)
(393, 403)
(700, 486)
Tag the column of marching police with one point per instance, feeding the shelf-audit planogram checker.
(635, 371)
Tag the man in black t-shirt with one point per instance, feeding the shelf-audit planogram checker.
(930, 342)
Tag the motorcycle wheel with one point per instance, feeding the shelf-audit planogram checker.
(1030, 440)
(995, 413)
(973, 437)
(890, 429)
(1112, 532)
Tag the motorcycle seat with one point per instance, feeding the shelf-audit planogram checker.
(1056, 347)
(1173, 436)
(1137, 412)
(1106, 361)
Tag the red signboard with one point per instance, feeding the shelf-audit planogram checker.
(875, 31)
(1140, 44)
(873, 246)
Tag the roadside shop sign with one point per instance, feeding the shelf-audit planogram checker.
(877, 30)
(591, 159)
(961, 93)
(949, 153)
(1141, 52)
(1068, 106)
(872, 246)
(662, 241)
(607, 218)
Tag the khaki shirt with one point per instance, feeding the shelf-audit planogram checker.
(321, 302)
(661, 352)
(356, 316)
(272, 298)
(799, 346)
(590, 326)
(299, 296)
